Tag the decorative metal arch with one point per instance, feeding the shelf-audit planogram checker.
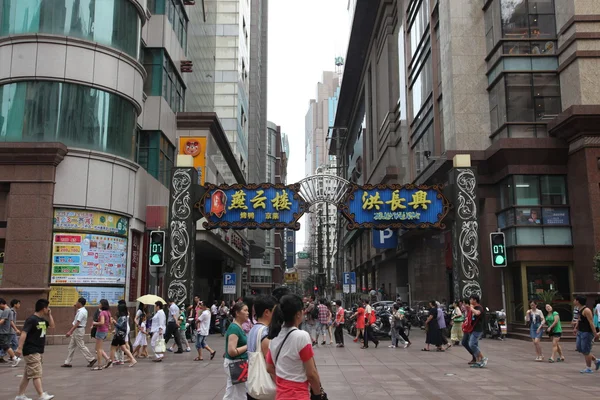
(323, 188)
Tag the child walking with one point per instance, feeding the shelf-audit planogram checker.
(141, 341)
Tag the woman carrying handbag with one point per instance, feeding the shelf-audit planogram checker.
(260, 384)
(291, 357)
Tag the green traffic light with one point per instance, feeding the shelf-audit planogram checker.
(499, 259)
(155, 259)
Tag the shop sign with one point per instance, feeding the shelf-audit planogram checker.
(395, 206)
(291, 277)
(264, 206)
(555, 216)
(67, 296)
(303, 255)
(88, 258)
(90, 221)
(135, 264)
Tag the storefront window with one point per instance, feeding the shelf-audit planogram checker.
(114, 23)
(553, 285)
(527, 190)
(528, 19)
(76, 115)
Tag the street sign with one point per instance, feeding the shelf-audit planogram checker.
(385, 239)
(349, 283)
(498, 249)
(229, 284)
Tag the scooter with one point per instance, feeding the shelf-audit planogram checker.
(493, 327)
(382, 325)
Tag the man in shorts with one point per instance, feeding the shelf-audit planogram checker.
(31, 346)
(6, 316)
(203, 323)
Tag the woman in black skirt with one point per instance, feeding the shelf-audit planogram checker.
(434, 336)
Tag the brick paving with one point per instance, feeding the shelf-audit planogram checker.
(347, 374)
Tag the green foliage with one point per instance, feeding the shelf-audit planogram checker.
(548, 297)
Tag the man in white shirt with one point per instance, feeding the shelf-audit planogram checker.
(76, 333)
(214, 310)
(173, 327)
(202, 331)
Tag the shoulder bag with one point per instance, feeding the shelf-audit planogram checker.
(238, 371)
(260, 385)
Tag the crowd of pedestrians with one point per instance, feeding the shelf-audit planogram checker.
(269, 339)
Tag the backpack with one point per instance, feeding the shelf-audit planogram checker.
(469, 325)
(315, 312)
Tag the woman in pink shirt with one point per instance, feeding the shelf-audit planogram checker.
(291, 358)
(102, 327)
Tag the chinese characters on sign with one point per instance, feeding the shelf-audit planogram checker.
(395, 206)
(82, 220)
(66, 296)
(252, 206)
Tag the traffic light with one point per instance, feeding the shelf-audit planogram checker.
(498, 249)
(157, 248)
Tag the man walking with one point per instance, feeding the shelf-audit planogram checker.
(586, 333)
(309, 319)
(339, 323)
(473, 332)
(15, 304)
(31, 345)
(202, 331)
(214, 310)
(173, 327)
(77, 333)
(5, 332)
(323, 319)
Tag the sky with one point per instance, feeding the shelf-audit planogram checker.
(304, 39)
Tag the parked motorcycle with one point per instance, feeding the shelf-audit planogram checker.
(382, 325)
(422, 316)
(495, 324)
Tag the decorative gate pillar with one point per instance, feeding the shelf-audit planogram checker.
(465, 230)
(179, 276)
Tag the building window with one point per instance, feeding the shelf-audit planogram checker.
(528, 99)
(418, 23)
(528, 19)
(163, 79)
(76, 115)
(175, 12)
(534, 210)
(114, 23)
(156, 155)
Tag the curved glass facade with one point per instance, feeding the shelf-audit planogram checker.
(115, 23)
(76, 115)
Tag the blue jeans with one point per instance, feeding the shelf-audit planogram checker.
(470, 342)
(584, 342)
(224, 324)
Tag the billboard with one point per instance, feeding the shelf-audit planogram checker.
(90, 221)
(264, 206)
(88, 258)
(195, 147)
(395, 206)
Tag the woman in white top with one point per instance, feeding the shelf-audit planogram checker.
(536, 320)
(291, 358)
(159, 326)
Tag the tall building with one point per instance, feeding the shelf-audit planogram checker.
(232, 73)
(319, 118)
(257, 121)
(86, 144)
(513, 91)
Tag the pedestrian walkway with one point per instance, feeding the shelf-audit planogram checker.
(347, 374)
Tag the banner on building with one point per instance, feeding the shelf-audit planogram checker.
(88, 258)
(264, 206)
(291, 277)
(195, 147)
(90, 221)
(395, 206)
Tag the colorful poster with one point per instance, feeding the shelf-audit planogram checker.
(195, 147)
(92, 221)
(67, 296)
(88, 258)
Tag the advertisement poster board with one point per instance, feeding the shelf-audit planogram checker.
(90, 221)
(66, 296)
(88, 258)
(195, 147)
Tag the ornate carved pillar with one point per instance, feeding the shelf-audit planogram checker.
(465, 233)
(179, 276)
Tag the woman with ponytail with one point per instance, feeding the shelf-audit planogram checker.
(291, 357)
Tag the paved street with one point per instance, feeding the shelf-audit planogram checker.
(346, 374)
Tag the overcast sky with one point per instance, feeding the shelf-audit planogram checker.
(304, 39)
